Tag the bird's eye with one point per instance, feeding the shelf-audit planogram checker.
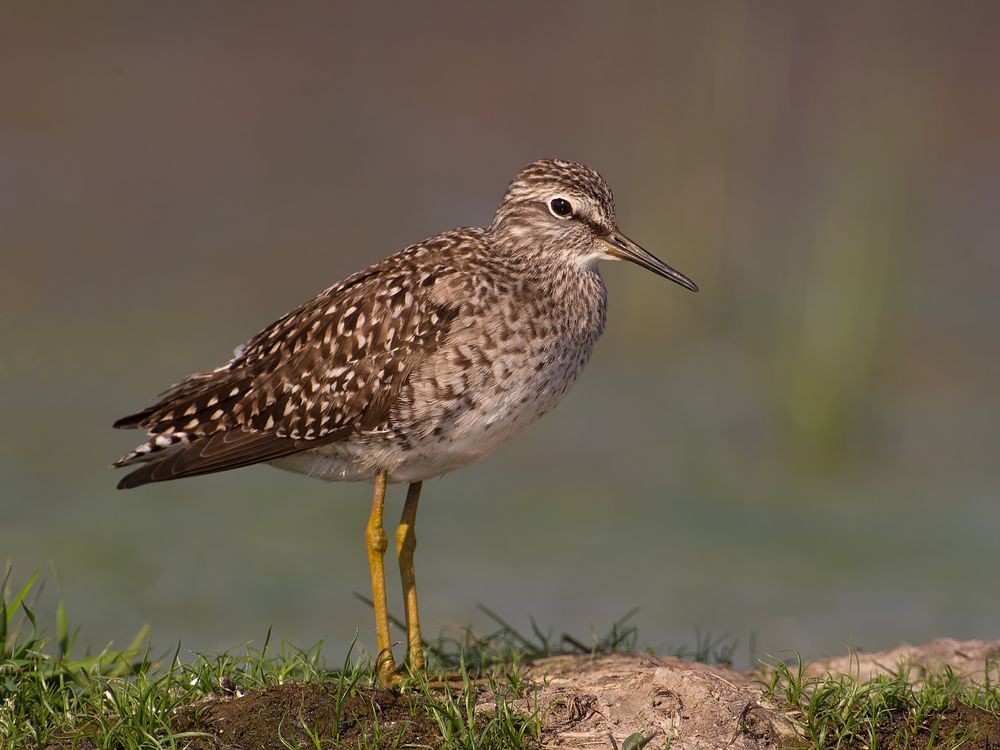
(560, 207)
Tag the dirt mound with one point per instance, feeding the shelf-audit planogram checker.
(699, 706)
(967, 658)
(590, 700)
(284, 716)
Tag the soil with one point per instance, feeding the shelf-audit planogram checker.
(966, 658)
(983, 730)
(591, 703)
(696, 705)
(278, 717)
(703, 707)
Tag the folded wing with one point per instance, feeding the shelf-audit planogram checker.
(326, 370)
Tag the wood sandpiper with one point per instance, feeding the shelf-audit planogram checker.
(414, 367)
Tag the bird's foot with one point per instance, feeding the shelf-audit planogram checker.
(403, 678)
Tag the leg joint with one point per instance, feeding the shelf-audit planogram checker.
(376, 538)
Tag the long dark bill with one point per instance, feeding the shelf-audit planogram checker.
(622, 247)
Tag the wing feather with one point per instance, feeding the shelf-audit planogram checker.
(229, 449)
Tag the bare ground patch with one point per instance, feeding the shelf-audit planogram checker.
(278, 717)
(699, 706)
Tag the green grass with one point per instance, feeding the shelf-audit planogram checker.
(908, 709)
(126, 698)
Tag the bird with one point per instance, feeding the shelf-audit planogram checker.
(416, 366)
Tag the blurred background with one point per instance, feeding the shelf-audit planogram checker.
(804, 454)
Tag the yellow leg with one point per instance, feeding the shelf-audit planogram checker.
(406, 543)
(377, 544)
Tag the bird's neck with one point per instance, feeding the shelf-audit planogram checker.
(524, 243)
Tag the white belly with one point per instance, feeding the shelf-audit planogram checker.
(466, 438)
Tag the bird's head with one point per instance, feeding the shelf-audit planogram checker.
(555, 206)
